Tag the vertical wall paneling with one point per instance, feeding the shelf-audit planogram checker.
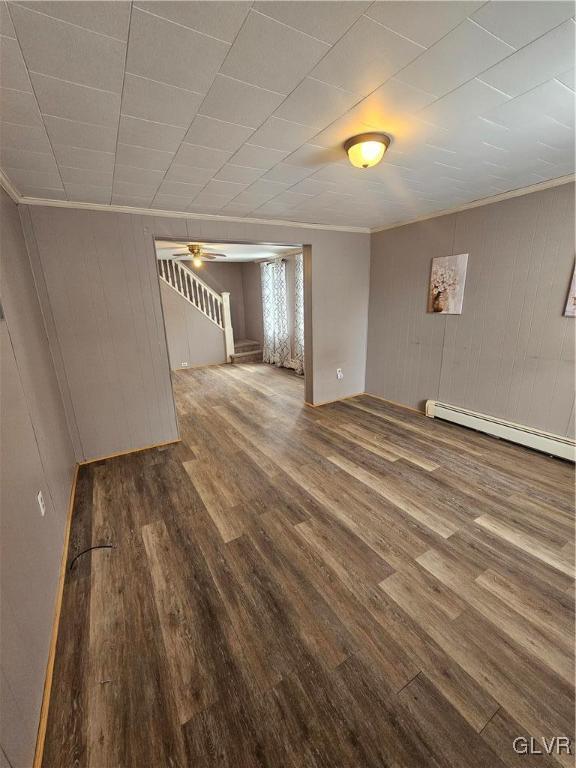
(36, 454)
(103, 290)
(511, 351)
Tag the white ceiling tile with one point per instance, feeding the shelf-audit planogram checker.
(167, 52)
(257, 157)
(24, 137)
(19, 108)
(313, 156)
(454, 59)
(131, 201)
(238, 173)
(6, 26)
(551, 98)
(170, 203)
(85, 193)
(567, 78)
(550, 55)
(13, 72)
(240, 103)
(74, 157)
(25, 179)
(288, 174)
(52, 47)
(144, 133)
(209, 132)
(469, 100)
(518, 22)
(316, 104)
(221, 20)
(224, 187)
(201, 157)
(108, 17)
(271, 55)
(424, 22)
(265, 186)
(32, 161)
(254, 198)
(387, 107)
(365, 57)
(159, 102)
(180, 190)
(277, 133)
(322, 19)
(133, 190)
(140, 157)
(189, 174)
(45, 193)
(81, 176)
(143, 176)
(69, 100)
(211, 199)
(312, 187)
(75, 134)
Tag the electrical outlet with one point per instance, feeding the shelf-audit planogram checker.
(41, 503)
(339, 374)
(183, 365)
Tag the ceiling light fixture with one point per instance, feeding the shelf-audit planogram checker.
(366, 149)
(197, 261)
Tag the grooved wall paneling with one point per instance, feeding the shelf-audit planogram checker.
(192, 338)
(36, 454)
(102, 290)
(511, 352)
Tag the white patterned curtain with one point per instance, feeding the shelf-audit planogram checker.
(275, 314)
(298, 350)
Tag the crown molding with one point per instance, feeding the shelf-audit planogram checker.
(185, 215)
(9, 188)
(482, 201)
(7, 185)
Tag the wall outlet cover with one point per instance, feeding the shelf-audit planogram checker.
(339, 374)
(41, 503)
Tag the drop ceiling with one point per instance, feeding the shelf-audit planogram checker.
(240, 109)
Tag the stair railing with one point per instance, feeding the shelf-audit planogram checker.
(213, 305)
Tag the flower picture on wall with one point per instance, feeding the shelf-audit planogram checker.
(570, 310)
(447, 280)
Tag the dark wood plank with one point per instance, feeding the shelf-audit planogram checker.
(351, 586)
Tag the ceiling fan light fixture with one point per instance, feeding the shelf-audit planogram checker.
(366, 149)
(197, 261)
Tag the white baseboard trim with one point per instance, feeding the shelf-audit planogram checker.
(546, 442)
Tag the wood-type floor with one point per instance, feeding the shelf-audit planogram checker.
(349, 586)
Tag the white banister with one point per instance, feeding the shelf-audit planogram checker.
(214, 306)
(227, 325)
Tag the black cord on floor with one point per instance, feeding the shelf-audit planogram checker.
(96, 546)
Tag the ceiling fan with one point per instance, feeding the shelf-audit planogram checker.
(197, 254)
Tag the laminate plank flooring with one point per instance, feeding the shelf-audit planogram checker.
(349, 586)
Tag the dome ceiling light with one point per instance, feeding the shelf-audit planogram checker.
(366, 149)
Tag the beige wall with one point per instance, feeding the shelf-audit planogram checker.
(36, 454)
(511, 352)
(192, 338)
(252, 301)
(102, 290)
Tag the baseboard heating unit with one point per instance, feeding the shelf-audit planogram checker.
(555, 445)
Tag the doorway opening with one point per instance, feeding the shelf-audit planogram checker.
(234, 304)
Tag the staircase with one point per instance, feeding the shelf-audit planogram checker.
(247, 351)
(214, 306)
